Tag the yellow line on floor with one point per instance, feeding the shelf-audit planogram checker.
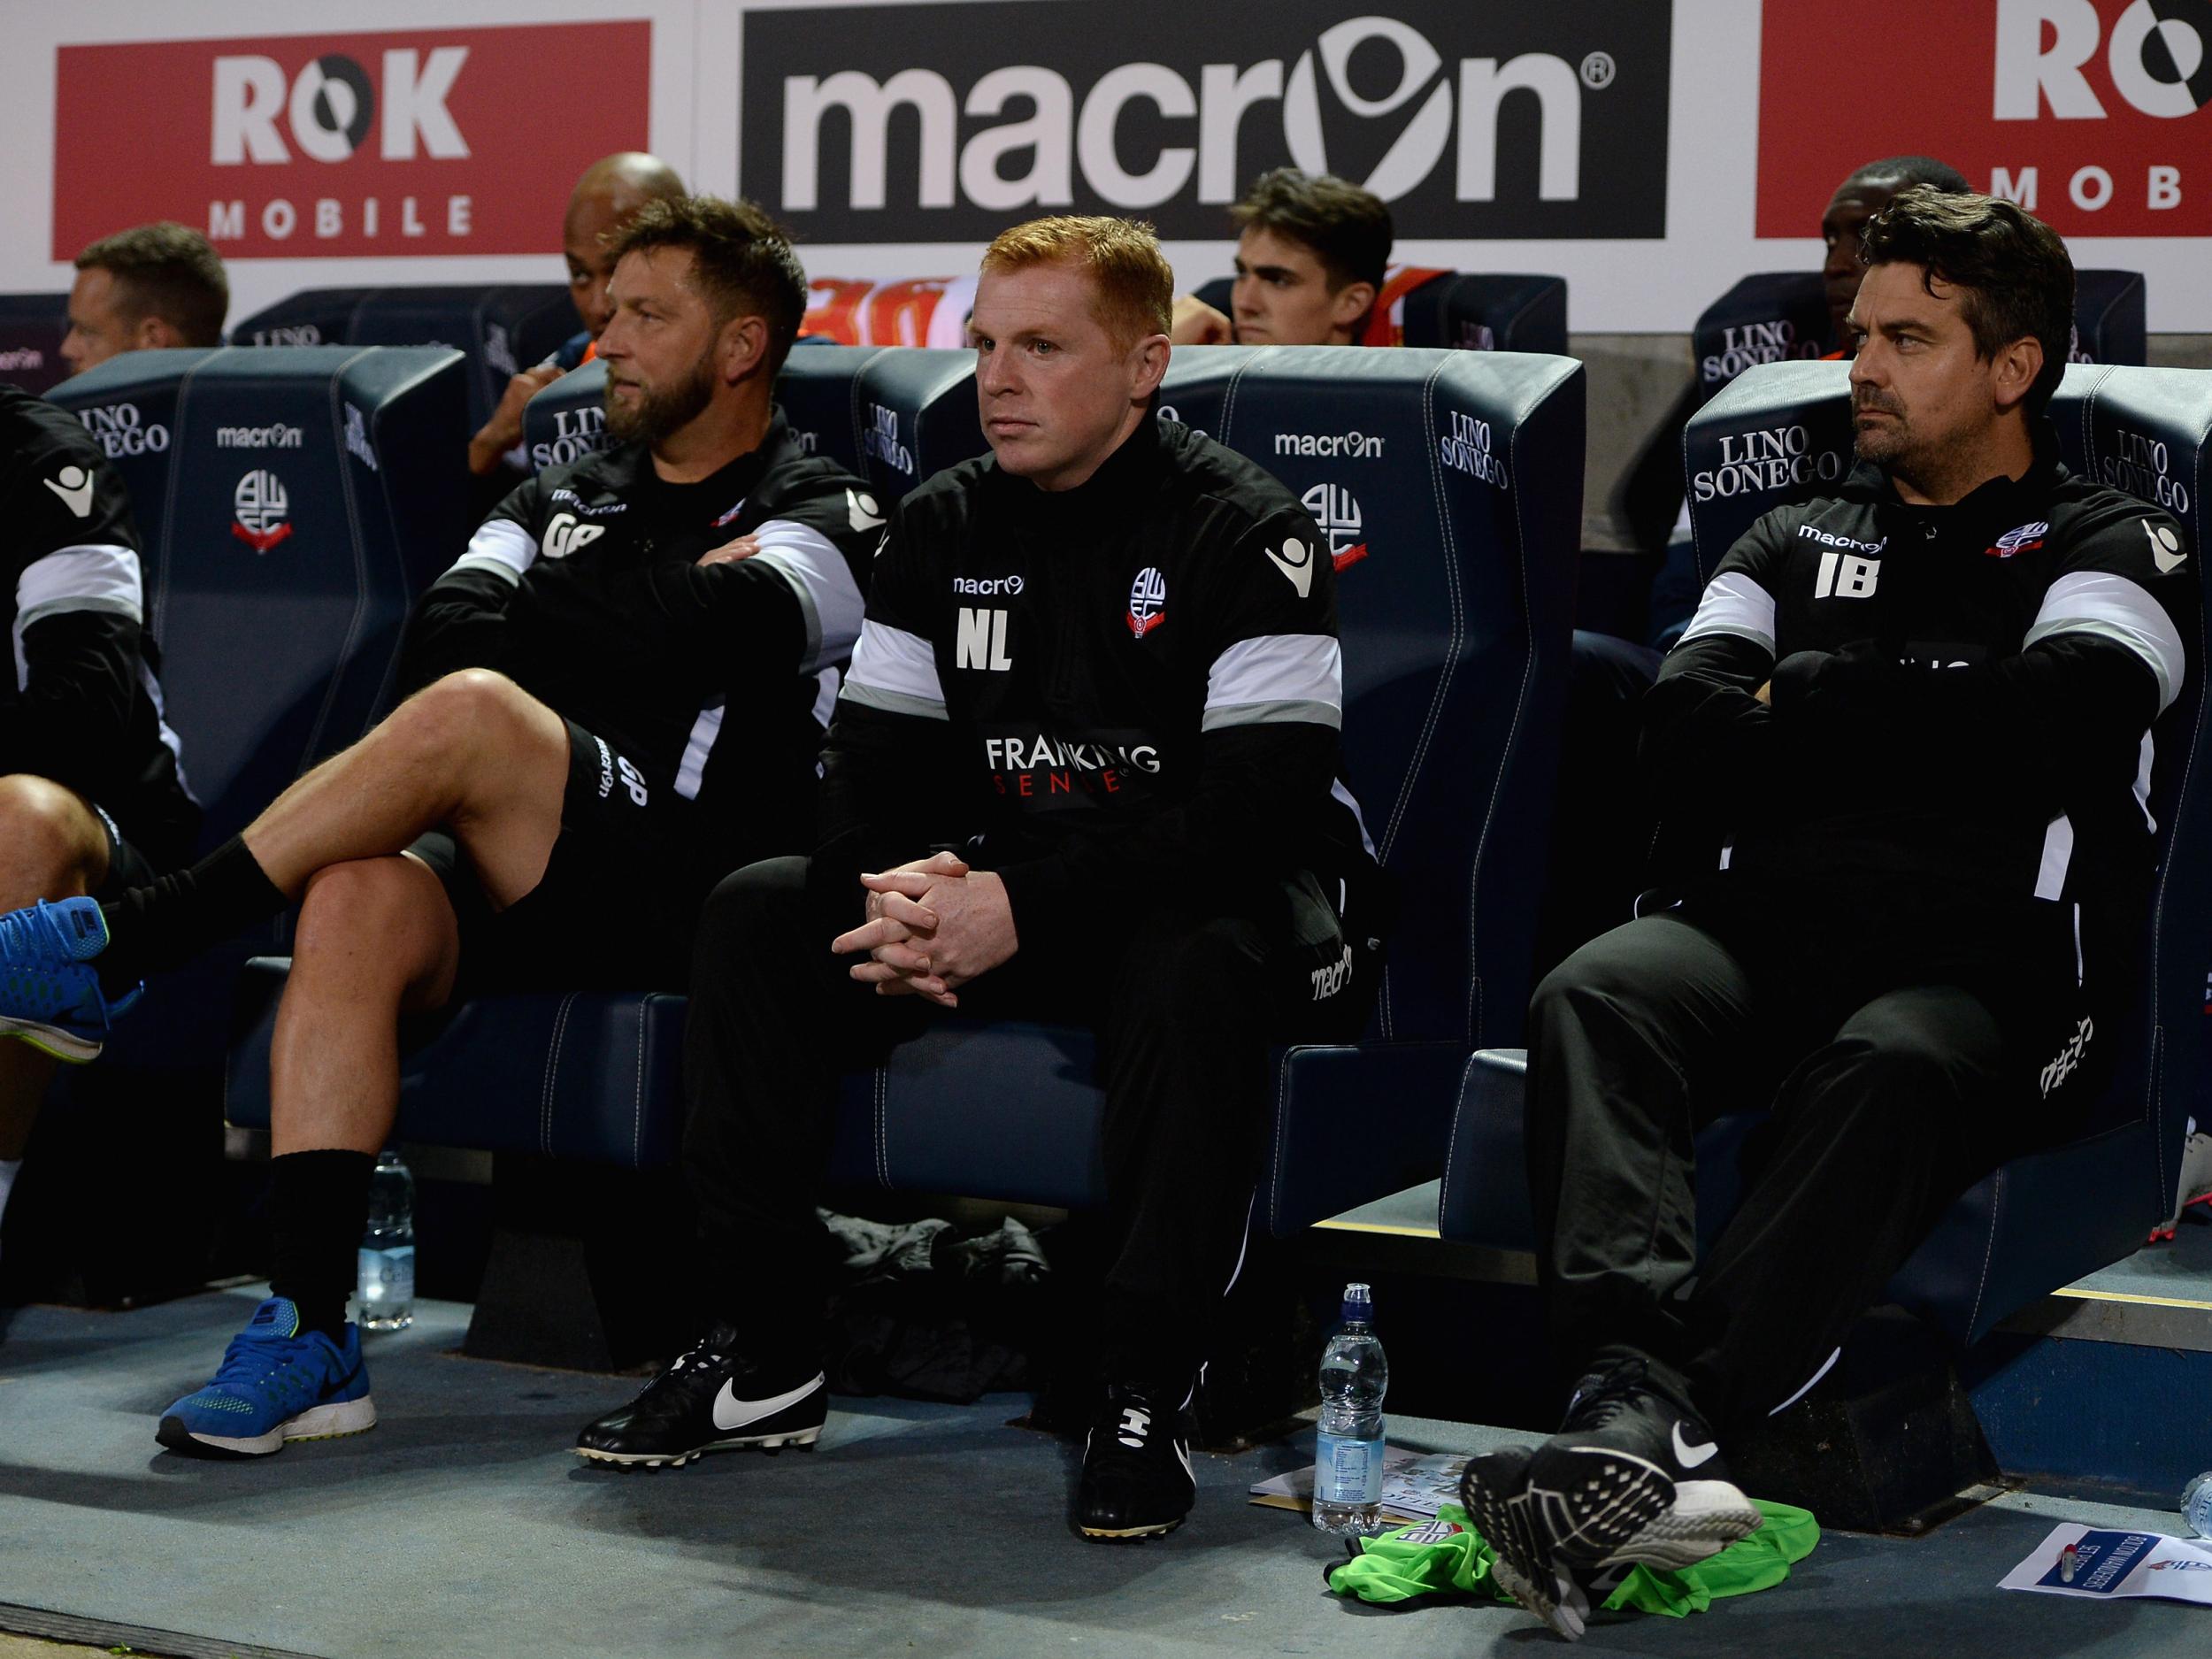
(2121, 1296)
(1381, 1226)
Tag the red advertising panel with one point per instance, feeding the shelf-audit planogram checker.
(2092, 114)
(420, 141)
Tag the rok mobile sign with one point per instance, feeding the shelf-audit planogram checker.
(947, 122)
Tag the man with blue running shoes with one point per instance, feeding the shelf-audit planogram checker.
(568, 744)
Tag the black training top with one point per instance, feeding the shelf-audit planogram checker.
(82, 705)
(584, 587)
(1127, 692)
(1963, 696)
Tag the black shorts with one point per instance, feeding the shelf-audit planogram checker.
(618, 903)
(128, 866)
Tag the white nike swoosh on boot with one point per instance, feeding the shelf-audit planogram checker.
(1688, 1456)
(730, 1413)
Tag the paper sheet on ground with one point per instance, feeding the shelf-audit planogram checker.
(1415, 1484)
(2109, 1563)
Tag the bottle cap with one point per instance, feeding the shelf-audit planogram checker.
(1359, 1305)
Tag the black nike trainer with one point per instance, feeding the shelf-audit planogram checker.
(712, 1398)
(1633, 1478)
(1137, 1480)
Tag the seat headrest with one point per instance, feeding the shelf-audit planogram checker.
(567, 420)
(2142, 430)
(1489, 311)
(499, 329)
(1771, 317)
(293, 501)
(917, 415)
(31, 327)
(2108, 318)
(818, 392)
(1774, 433)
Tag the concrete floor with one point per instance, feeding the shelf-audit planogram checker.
(463, 1525)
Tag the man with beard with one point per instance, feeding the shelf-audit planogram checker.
(1917, 713)
(553, 804)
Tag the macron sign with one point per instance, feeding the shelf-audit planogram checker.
(425, 141)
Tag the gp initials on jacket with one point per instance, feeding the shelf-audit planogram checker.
(564, 534)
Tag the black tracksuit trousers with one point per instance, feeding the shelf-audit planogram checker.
(1900, 1059)
(1185, 1007)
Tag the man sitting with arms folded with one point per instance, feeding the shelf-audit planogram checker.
(149, 286)
(1101, 665)
(1310, 260)
(623, 679)
(1917, 709)
(606, 198)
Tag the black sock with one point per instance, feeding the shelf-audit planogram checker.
(168, 923)
(319, 1208)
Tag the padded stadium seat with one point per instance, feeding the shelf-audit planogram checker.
(1461, 310)
(2040, 1222)
(916, 414)
(499, 330)
(1449, 487)
(298, 503)
(31, 330)
(1780, 315)
(2108, 318)
(293, 503)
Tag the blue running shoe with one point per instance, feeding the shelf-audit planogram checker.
(49, 991)
(276, 1384)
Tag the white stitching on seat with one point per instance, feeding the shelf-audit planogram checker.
(1474, 1033)
(1996, 1209)
(637, 1101)
(883, 1124)
(1282, 1112)
(1451, 1141)
(552, 1065)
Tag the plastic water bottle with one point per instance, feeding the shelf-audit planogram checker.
(2196, 1505)
(386, 1289)
(1348, 1470)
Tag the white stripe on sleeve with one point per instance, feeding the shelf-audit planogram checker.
(828, 595)
(2115, 608)
(895, 671)
(101, 578)
(502, 547)
(1733, 604)
(1276, 677)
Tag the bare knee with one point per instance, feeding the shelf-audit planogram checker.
(51, 844)
(467, 716)
(381, 920)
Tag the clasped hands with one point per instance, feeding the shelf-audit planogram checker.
(932, 925)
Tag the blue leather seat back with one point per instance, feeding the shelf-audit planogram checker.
(819, 392)
(1780, 315)
(1446, 484)
(498, 329)
(31, 328)
(1199, 378)
(2108, 318)
(302, 498)
(2149, 432)
(1489, 311)
(1771, 317)
(1779, 433)
(567, 420)
(916, 411)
